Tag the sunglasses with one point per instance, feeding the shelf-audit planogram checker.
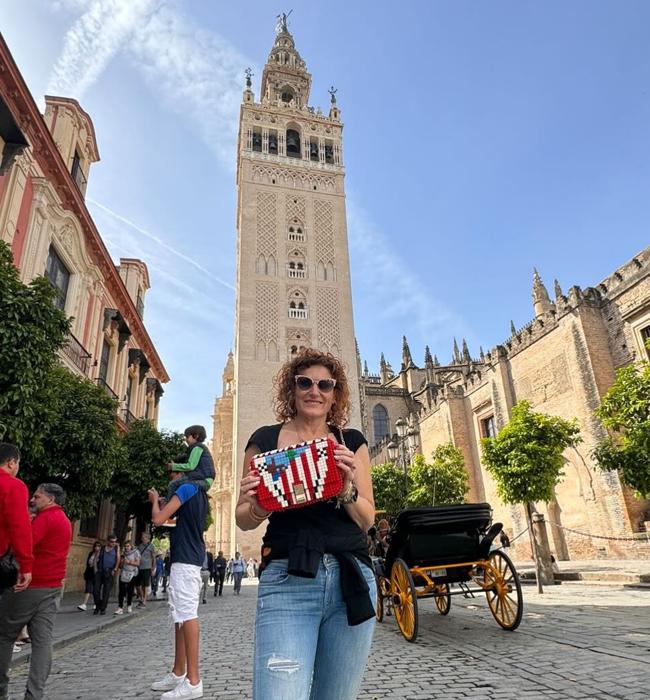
(305, 383)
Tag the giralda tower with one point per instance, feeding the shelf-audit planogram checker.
(293, 272)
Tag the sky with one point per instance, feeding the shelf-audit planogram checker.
(481, 140)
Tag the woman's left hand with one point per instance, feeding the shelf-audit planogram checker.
(345, 462)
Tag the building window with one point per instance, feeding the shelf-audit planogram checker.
(313, 150)
(89, 527)
(77, 173)
(488, 427)
(381, 428)
(257, 141)
(59, 276)
(104, 360)
(273, 142)
(645, 339)
(139, 304)
(293, 144)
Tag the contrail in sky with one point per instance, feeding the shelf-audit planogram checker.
(161, 243)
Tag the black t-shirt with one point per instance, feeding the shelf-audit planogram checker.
(324, 515)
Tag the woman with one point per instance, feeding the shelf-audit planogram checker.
(128, 572)
(89, 573)
(315, 614)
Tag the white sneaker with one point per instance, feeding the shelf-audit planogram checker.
(119, 611)
(82, 607)
(184, 691)
(129, 609)
(169, 682)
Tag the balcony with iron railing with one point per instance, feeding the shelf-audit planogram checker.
(77, 354)
(103, 383)
(127, 416)
(299, 313)
(296, 236)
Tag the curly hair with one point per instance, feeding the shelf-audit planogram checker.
(285, 385)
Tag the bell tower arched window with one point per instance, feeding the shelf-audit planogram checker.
(380, 426)
(293, 144)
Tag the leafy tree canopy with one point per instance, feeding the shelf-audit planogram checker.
(444, 480)
(32, 329)
(625, 409)
(525, 458)
(80, 448)
(389, 488)
(146, 454)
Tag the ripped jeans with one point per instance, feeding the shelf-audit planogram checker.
(304, 647)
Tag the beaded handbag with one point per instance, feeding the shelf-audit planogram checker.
(297, 476)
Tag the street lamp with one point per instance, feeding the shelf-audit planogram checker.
(401, 451)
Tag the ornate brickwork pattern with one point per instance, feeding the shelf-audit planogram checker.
(324, 231)
(327, 317)
(288, 178)
(266, 224)
(295, 208)
(266, 312)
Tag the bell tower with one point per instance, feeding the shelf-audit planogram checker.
(293, 273)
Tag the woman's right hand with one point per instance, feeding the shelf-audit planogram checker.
(248, 489)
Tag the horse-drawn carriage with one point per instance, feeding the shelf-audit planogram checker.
(444, 551)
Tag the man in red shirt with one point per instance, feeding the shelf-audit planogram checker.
(36, 606)
(15, 529)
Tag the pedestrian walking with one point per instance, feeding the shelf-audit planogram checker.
(167, 564)
(219, 572)
(229, 570)
(129, 564)
(205, 577)
(147, 558)
(36, 606)
(157, 575)
(190, 505)
(89, 574)
(106, 567)
(210, 564)
(317, 587)
(15, 521)
(238, 569)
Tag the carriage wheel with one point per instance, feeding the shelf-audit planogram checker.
(405, 600)
(379, 601)
(503, 591)
(443, 599)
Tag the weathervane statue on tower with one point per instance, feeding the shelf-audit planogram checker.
(281, 25)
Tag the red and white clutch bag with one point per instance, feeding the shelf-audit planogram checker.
(297, 476)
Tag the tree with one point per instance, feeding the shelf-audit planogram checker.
(625, 410)
(526, 460)
(442, 481)
(146, 454)
(80, 449)
(389, 488)
(32, 329)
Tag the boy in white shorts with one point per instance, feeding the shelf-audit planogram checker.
(187, 551)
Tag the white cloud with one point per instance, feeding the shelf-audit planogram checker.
(89, 45)
(196, 73)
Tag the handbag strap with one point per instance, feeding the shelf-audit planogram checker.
(342, 440)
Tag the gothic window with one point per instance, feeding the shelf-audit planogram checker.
(293, 144)
(257, 141)
(287, 94)
(645, 338)
(59, 276)
(313, 149)
(295, 232)
(265, 266)
(298, 305)
(381, 428)
(296, 268)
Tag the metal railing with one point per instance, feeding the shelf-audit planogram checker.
(74, 351)
(127, 416)
(102, 382)
(296, 272)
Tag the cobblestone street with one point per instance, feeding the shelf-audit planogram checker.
(575, 641)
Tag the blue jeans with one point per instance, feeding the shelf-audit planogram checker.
(304, 647)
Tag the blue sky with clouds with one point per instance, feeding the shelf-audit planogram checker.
(481, 139)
